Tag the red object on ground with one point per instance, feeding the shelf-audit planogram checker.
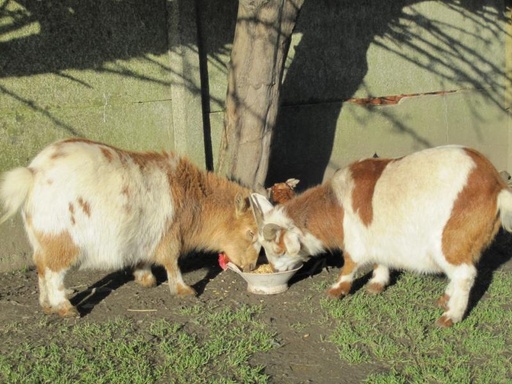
(223, 260)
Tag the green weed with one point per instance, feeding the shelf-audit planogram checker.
(123, 351)
(395, 330)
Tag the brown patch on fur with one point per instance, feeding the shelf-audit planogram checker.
(166, 254)
(318, 211)
(57, 251)
(375, 288)
(280, 247)
(205, 206)
(72, 212)
(40, 265)
(58, 154)
(444, 322)
(143, 159)
(125, 191)
(443, 302)
(365, 174)
(107, 153)
(207, 214)
(187, 196)
(85, 206)
(344, 288)
(127, 207)
(198, 185)
(163, 252)
(474, 220)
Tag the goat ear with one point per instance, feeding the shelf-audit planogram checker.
(270, 231)
(241, 204)
(260, 206)
(262, 202)
(292, 243)
(292, 183)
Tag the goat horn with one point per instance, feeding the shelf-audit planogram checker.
(256, 210)
(270, 231)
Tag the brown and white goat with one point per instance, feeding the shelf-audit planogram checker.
(432, 211)
(96, 206)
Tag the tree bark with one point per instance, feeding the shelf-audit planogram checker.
(261, 42)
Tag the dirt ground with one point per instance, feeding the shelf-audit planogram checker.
(304, 355)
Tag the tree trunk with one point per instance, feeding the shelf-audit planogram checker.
(261, 42)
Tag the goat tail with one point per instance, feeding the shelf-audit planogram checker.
(15, 186)
(505, 208)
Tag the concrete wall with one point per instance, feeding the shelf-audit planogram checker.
(449, 60)
(152, 74)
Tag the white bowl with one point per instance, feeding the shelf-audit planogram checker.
(265, 283)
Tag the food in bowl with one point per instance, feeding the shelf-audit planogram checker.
(264, 268)
(266, 283)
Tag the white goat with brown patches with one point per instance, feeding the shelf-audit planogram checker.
(93, 205)
(433, 211)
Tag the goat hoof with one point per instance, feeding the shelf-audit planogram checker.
(185, 290)
(336, 293)
(47, 309)
(69, 312)
(146, 281)
(374, 288)
(339, 289)
(444, 322)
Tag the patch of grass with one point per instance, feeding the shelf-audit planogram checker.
(395, 330)
(125, 351)
(298, 326)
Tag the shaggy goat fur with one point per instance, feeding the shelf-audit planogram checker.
(92, 205)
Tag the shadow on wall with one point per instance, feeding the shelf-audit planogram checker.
(62, 38)
(55, 36)
(322, 79)
(79, 34)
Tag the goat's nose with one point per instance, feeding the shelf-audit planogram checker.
(249, 267)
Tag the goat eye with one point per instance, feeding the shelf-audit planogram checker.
(250, 234)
